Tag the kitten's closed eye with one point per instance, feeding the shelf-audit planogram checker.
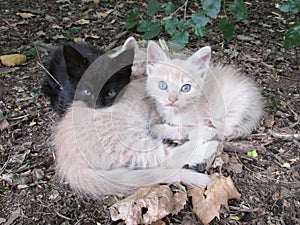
(162, 85)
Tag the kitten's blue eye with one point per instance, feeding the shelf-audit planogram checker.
(86, 92)
(162, 85)
(111, 93)
(186, 88)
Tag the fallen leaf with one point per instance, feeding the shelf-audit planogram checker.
(3, 124)
(207, 203)
(253, 154)
(26, 15)
(14, 215)
(159, 222)
(13, 24)
(148, 205)
(34, 11)
(55, 26)
(269, 121)
(13, 59)
(104, 14)
(82, 22)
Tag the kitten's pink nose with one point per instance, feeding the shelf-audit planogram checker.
(173, 99)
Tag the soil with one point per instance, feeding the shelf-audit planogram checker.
(30, 192)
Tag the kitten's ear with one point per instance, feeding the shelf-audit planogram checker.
(130, 43)
(75, 62)
(201, 58)
(155, 55)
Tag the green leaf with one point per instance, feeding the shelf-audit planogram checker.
(132, 19)
(292, 37)
(239, 9)
(34, 11)
(200, 19)
(253, 154)
(143, 27)
(292, 6)
(200, 31)
(227, 27)
(183, 25)
(153, 7)
(30, 52)
(171, 24)
(211, 8)
(179, 40)
(170, 8)
(153, 30)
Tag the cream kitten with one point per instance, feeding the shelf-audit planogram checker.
(222, 97)
(112, 150)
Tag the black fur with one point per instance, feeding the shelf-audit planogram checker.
(67, 64)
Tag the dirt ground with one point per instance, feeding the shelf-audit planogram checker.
(30, 193)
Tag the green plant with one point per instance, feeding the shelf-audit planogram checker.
(292, 36)
(179, 27)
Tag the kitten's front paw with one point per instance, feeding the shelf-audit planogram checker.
(204, 152)
(167, 132)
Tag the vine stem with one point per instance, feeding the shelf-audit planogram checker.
(185, 9)
(183, 6)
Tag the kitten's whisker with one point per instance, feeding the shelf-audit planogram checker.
(39, 62)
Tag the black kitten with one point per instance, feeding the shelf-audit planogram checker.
(67, 64)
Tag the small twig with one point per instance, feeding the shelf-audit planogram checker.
(242, 147)
(243, 209)
(39, 62)
(62, 216)
(183, 6)
(112, 44)
(284, 136)
(185, 9)
(295, 115)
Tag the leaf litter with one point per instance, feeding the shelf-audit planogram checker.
(151, 204)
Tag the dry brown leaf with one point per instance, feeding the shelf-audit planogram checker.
(3, 124)
(25, 15)
(82, 22)
(55, 26)
(13, 59)
(104, 14)
(207, 204)
(159, 222)
(148, 205)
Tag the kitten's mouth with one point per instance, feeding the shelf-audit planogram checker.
(170, 105)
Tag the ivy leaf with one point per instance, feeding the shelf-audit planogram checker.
(292, 37)
(200, 19)
(30, 52)
(239, 9)
(227, 27)
(211, 8)
(183, 25)
(170, 8)
(132, 19)
(143, 27)
(171, 24)
(200, 31)
(153, 7)
(292, 6)
(150, 29)
(179, 40)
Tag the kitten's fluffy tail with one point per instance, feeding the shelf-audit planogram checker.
(102, 182)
